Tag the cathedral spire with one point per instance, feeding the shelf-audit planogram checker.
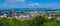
(13, 14)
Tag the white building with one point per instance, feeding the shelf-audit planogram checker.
(4, 15)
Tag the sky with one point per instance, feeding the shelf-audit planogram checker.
(29, 3)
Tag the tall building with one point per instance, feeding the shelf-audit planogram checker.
(13, 14)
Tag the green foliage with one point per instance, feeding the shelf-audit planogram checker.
(38, 21)
(14, 22)
(25, 23)
(3, 22)
(7, 22)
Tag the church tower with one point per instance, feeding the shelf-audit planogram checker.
(13, 14)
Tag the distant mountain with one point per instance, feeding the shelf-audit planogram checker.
(30, 9)
(36, 9)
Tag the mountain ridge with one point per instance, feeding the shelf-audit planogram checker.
(34, 9)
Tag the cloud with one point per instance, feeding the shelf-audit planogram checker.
(28, 5)
(52, 5)
(12, 1)
(39, 5)
(4, 4)
(20, 0)
(34, 4)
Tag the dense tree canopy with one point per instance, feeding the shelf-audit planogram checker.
(37, 21)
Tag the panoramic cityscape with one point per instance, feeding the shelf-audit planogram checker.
(29, 12)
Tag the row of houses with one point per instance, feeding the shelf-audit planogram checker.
(19, 14)
(27, 15)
